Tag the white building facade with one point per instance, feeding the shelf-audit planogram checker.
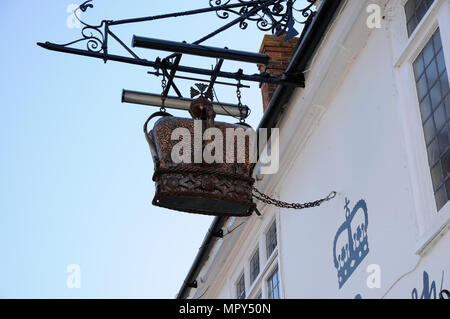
(371, 124)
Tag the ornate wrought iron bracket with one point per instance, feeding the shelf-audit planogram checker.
(277, 16)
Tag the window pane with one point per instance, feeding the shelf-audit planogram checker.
(436, 175)
(421, 9)
(447, 99)
(429, 130)
(441, 197)
(410, 8)
(274, 286)
(439, 117)
(446, 163)
(240, 288)
(428, 53)
(443, 140)
(422, 87)
(418, 67)
(436, 95)
(271, 239)
(435, 113)
(445, 85)
(447, 187)
(432, 74)
(412, 24)
(425, 108)
(254, 266)
(433, 152)
(415, 10)
(440, 62)
(437, 41)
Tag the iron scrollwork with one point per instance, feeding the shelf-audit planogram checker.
(274, 15)
(277, 16)
(95, 37)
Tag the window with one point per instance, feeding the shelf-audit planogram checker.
(418, 62)
(271, 239)
(434, 102)
(240, 288)
(273, 284)
(254, 266)
(262, 264)
(415, 10)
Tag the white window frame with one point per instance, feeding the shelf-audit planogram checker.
(267, 264)
(430, 222)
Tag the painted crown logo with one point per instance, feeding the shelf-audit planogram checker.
(351, 243)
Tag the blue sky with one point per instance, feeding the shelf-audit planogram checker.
(75, 184)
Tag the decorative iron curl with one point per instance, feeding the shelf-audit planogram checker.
(92, 34)
(223, 14)
(260, 19)
(85, 5)
(277, 17)
(305, 12)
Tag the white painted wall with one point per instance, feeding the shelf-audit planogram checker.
(355, 150)
(347, 131)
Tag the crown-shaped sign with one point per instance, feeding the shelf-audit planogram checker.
(351, 243)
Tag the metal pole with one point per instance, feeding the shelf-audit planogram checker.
(178, 103)
(186, 13)
(202, 80)
(214, 76)
(201, 50)
(169, 66)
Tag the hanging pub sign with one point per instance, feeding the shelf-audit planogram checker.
(201, 165)
(205, 167)
(199, 176)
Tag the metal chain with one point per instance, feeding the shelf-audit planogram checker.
(240, 107)
(163, 97)
(271, 201)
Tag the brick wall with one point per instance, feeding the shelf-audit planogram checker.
(280, 52)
